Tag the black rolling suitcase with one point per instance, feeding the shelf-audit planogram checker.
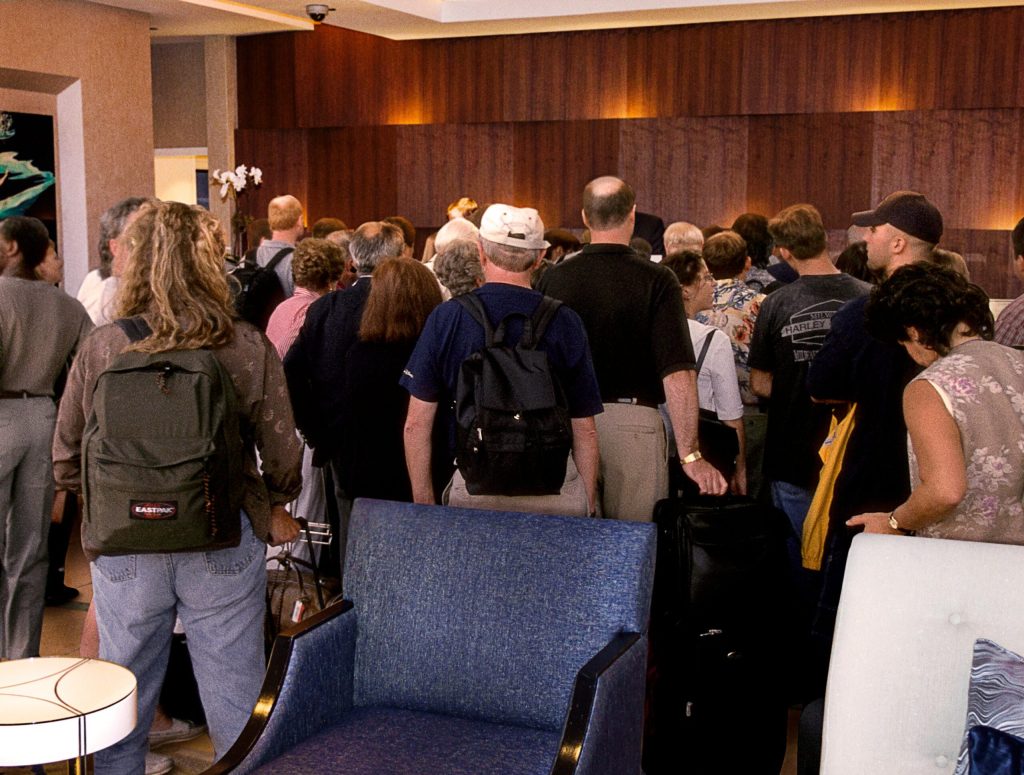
(720, 624)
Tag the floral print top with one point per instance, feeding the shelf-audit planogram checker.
(734, 309)
(982, 385)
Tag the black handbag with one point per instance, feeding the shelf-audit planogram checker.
(718, 442)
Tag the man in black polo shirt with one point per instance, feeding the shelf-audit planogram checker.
(633, 313)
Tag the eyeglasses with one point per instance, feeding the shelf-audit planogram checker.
(707, 277)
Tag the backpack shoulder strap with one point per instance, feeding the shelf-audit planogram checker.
(542, 316)
(472, 304)
(135, 328)
(279, 256)
(704, 350)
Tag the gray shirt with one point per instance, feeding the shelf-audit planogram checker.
(266, 252)
(40, 328)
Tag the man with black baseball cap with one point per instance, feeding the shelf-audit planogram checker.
(854, 367)
(905, 227)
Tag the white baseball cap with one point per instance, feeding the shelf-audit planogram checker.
(519, 227)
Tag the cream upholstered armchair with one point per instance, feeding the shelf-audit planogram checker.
(911, 610)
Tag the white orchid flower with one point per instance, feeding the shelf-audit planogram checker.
(257, 175)
(224, 189)
(241, 170)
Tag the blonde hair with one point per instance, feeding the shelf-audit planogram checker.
(284, 212)
(463, 207)
(175, 278)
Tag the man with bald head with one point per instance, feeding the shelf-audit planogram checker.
(286, 228)
(633, 313)
(680, 236)
(315, 364)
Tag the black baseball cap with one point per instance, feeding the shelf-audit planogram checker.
(909, 212)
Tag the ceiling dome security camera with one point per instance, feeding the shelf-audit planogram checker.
(318, 11)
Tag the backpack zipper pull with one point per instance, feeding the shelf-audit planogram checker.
(161, 380)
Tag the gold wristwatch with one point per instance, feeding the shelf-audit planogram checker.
(693, 457)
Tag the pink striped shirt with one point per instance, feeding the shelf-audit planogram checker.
(286, 320)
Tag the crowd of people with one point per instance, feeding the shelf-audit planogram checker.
(718, 358)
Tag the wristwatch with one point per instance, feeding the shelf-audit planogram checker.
(693, 457)
(895, 525)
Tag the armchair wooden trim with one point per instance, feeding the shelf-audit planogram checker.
(581, 705)
(277, 668)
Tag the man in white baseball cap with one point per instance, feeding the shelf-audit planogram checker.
(511, 245)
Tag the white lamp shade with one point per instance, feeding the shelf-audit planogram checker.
(54, 708)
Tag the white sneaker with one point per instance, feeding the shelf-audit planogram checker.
(179, 730)
(158, 764)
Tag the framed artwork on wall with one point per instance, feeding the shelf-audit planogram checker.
(27, 168)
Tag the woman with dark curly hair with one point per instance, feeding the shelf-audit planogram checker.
(964, 412)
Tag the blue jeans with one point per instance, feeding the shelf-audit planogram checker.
(795, 502)
(220, 598)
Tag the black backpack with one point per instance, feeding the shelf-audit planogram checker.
(259, 289)
(162, 453)
(513, 429)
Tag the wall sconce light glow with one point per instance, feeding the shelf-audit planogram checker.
(409, 114)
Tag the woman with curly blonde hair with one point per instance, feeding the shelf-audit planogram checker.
(175, 284)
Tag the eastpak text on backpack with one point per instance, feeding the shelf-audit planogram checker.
(513, 429)
(162, 453)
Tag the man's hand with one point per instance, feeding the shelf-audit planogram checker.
(283, 528)
(708, 478)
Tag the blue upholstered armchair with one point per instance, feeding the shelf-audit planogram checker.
(469, 642)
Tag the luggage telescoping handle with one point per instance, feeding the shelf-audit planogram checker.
(304, 526)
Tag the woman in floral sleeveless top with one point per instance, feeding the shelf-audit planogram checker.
(964, 412)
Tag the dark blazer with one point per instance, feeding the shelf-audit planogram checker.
(652, 229)
(315, 364)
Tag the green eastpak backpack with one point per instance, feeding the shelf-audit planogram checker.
(162, 453)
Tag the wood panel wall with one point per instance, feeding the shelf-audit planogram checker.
(706, 121)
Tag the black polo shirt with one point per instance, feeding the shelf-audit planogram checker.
(633, 311)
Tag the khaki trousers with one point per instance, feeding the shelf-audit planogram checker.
(571, 501)
(634, 461)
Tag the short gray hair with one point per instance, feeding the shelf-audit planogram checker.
(372, 243)
(509, 257)
(458, 267)
(683, 236)
(455, 229)
(112, 224)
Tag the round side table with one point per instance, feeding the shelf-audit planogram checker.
(54, 708)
